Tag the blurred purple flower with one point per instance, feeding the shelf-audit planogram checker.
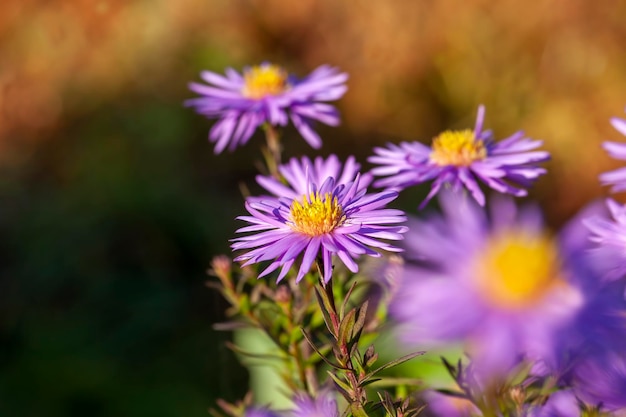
(462, 159)
(499, 285)
(601, 380)
(317, 217)
(266, 94)
(610, 236)
(322, 406)
(616, 178)
(443, 405)
(560, 404)
(596, 347)
(261, 412)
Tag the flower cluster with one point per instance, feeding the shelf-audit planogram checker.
(538, 315)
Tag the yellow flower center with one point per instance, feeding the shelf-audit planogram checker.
(316, 215)
(264, 80)
(457, 147)
(517, 269)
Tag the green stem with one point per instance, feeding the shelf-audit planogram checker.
(358, 395)
(273, 151)
(295, 350)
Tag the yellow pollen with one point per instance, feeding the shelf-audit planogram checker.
(316, 215)
(264, 80)
(457, 147)
(517, 269)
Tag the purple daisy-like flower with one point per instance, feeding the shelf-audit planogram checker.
(596, 346)
(463, 159)
(560, 404)
(497, 283)
(616, 178)
(317, 218)
(601, 381)
(267, 94)
(610, 237)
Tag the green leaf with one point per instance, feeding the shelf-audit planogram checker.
(345, 328)
(308, 339)
(244, 304)
(370, 357)
(360, 322)
(295, 336)
(326, 308)
(346, 299)
(358, 410)
(342, 385)
(394, 363)
(369, 381)
(391, 382)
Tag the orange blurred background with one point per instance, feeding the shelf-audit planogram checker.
(555, 69)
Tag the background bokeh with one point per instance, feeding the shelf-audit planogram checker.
(113, 203)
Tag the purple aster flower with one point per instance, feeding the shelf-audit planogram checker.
(317, 217)
(498, 283)
(610, 236)
(322, 406)
(616, 178)
(596, 346)
(463, 159)
(601, 380)
(560, 404)
(267, 94)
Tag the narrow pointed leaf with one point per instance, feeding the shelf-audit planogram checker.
(345, 328)
(360, 322)
(344, 304)
(340, 384)
(326, 308)
(321, 355)
(394, 363)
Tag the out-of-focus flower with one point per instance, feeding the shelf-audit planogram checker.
(267, 94)
(600, 380)
(316, 220)
(261, 412)
(322, 406)
(499, 285)
(610, 235)
(463, 159)
(560, 404)
(596, 347)
(446, 406)
(616, 178)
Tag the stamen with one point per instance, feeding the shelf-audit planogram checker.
(316, 215)
(264, 80)
(458, 148)
(517, 269)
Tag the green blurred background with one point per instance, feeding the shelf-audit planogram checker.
(113, 203)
